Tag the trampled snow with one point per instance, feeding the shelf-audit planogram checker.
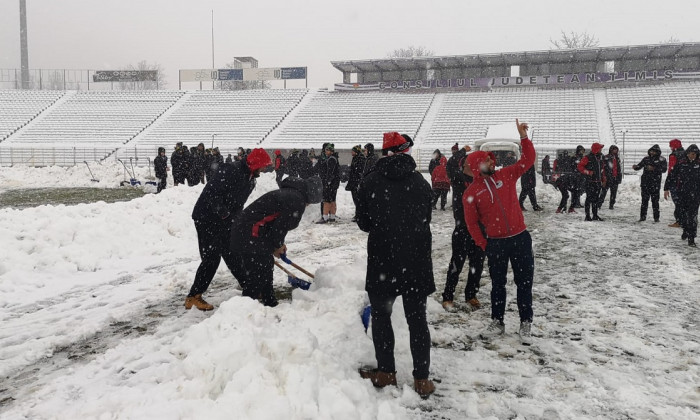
(93, 323)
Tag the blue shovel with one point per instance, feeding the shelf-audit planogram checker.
(293, 280)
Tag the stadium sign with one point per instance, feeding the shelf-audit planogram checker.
(564, 80)
(125, 75)
(244, 75)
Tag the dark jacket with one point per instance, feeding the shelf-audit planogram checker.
(613, 169)
(329, 171)
(654, 167)
(356, 167)
(459, 182)
(262, 226)
(434, 162)
(225, 194)
(370, 162)
(529, 179)
(305, 167)
(685, 178)
(160, 165)
(179, 161)
(292, 168)
(395, 207)
(593, 167)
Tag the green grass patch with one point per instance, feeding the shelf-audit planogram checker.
(33, 197)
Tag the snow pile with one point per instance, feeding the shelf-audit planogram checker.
(91, 303)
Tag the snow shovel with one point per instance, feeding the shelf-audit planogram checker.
(284, 258)
(151, 178)
(293, 280)
(93, 176)
(133, 181)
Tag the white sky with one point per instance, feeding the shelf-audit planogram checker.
(101, 35)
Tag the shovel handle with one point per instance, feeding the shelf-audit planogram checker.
(284, 269)
(288, 261)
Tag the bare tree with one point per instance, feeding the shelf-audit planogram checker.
(575, 40)
(411, 51)
(159, 83)
(671, 40)
(241, 84)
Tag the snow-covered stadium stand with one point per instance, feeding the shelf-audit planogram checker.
(18, 107)
(350, 118)
(655, 114)
(237, 119)
(87, 125)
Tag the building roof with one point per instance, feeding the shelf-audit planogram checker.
(636, 52)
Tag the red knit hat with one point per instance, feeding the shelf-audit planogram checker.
(278, 152)
(396, 143)
(258, 159)
(675, 144)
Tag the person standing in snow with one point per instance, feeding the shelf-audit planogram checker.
(279, 166)
(394, 206)
(677, 154)
(258, 234)
(686, 178)
(160, 165)
(492, 201)
(371, 158)
(528, 182)
(579, 177)
(613, 175)
(654, 166)
(593, 167)
(177, 160)
(546, 170)
(356, 167)
(440, 181)
(463, 246)
(330, 175)
(221, 200)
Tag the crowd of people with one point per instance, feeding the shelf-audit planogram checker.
(394, 205)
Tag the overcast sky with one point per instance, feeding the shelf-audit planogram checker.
(106, 35)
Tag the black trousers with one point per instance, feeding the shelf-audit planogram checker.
(592, 196)
(354, 199)
(162, 182)
(517, 250)
(254, 273)
(613, 195)
(383, 333)
(529, 193)
(653, 194)
(442, 195)
(564, 197)
(689, 216)
(463, 247)
(213, 239)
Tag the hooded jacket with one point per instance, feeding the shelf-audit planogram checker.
(439, 177)
(160, 165)
(613, 169)
(593, 165)
(654, 167)
(225, 194)
(262, 227)
(459, 182)
(685, 177)
(371, 158)
(395, 207)
(356, 167)
(493, 200)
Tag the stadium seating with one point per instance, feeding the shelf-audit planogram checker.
(18, 107)
(237, 119)
(656, 114)
(350, 118)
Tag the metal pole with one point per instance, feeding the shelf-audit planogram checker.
(623, 151)
(212, 46)
(24, 51)
(88, 79)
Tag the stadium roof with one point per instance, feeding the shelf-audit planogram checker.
(637, 52)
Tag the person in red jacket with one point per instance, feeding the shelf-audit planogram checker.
(440, 180)
(279, 166)
(677, 154)
(593, 167)
(492, 200)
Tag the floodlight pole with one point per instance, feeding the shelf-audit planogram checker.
(24, 53)
(212, 140)
(212, 46)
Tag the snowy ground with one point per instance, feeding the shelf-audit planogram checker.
(93, 324)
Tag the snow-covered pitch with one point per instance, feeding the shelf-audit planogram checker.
(92, 323)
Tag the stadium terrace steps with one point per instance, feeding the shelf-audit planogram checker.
(20, 107)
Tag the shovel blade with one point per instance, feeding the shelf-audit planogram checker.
(298, 283)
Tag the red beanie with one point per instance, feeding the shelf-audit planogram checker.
(257, 159)
(396, 143)
(675, 144)
(278, 152)
(597, 147)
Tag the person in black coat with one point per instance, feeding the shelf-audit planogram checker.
(613, 172)
(221, 200)
(306, 167)
(357, 166)
(654, 166)
(566, 183)
(685, 177)
(546, 170)
(463, 246)
(258, 234)
(329, 171)
(528, 182)
(293, 164)
(160, 165)
(592, 167)
(195, 167)
(371, 158)
(280, 162)
(178, 160)
(394, 206)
